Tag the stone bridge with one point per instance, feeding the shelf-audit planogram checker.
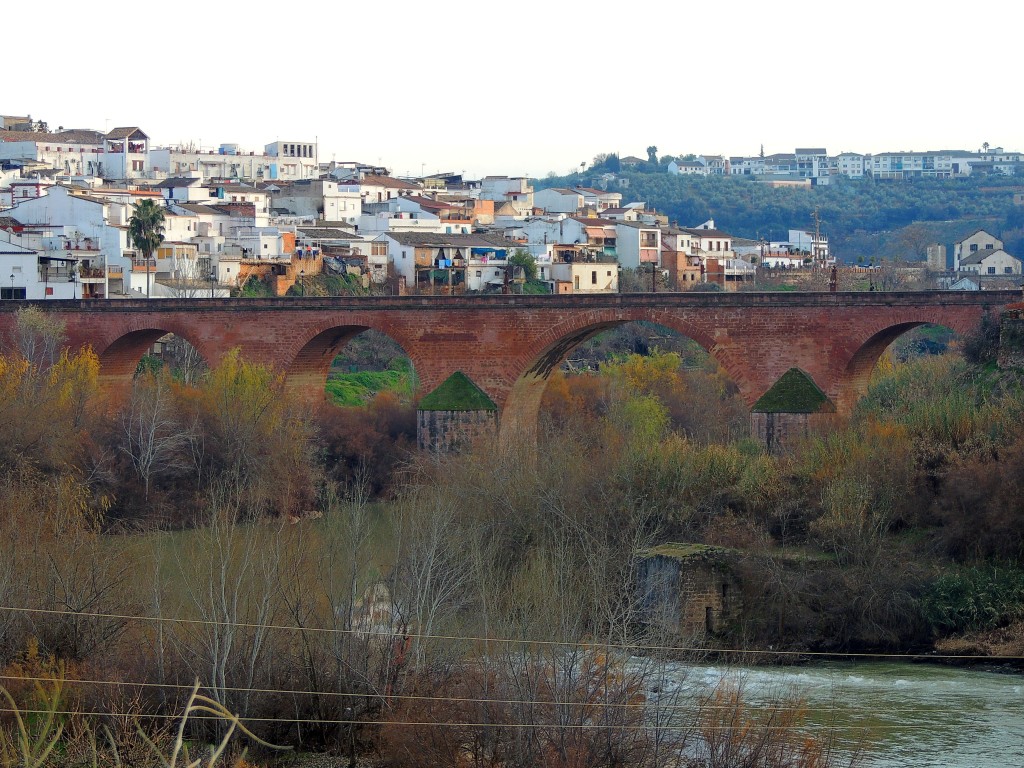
(508, 345)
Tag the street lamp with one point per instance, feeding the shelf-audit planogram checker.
(12, 286)
(302, 281)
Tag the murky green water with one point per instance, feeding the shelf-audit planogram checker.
(915, 715)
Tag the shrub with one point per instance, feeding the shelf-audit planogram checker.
(975, 598)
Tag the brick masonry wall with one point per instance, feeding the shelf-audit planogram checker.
(509, 345)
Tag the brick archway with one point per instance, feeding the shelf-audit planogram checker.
(121, 353)
(521, 411)
(851, 379)
(308, 363)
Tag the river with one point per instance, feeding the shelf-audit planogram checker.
(900, 714)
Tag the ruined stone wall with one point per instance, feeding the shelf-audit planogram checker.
(445, 431)
(691, 596)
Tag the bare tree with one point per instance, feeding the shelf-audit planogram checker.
(431, 578)
(152, 435)
(232, 580)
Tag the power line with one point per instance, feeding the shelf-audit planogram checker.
(510, 641)
(456, 724)
(702, 705)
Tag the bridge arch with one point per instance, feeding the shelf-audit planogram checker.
(309, 361)
(856, 375)
(519, 416)
(121, 352)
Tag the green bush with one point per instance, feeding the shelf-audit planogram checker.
(976, 598)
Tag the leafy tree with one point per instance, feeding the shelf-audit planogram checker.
(525, 260)
(652, 154)
(146, 230)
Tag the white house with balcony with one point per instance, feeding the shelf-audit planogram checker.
(811, 162)
(637, 243)
(78, 226)
(599, 199)
(477, 260)
(26, 274)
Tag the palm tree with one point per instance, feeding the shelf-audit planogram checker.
(146, 230)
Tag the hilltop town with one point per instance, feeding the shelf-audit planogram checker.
(277, 220)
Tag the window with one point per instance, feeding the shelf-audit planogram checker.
(593, 277)
(974, 247)
(991, 270)
(1007, 270)
(478, 273)
(12, 293)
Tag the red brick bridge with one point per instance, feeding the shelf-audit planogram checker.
(509, 345)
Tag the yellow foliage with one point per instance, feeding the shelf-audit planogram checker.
(646, 375)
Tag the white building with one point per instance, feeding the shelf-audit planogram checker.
(24, 274)
(807, 242)
(811, 163)
(512, 190)
(293, 160)
(979, 240)
(86, 229)
(907, 165)
(849, 164)
(319, 199)
(990, 262)
(559, 200)
(687, 168)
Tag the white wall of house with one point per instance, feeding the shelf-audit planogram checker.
(558, 200)
(20, 268)
(636, 245)
(977, 241)
(849, 164)
(587, 277)
(998, 263)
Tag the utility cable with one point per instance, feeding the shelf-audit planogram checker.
(511, 641)
(782, 707)
(742, 726)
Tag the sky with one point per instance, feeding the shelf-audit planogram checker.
(526, 87)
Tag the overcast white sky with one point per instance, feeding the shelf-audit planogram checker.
(524, 87)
